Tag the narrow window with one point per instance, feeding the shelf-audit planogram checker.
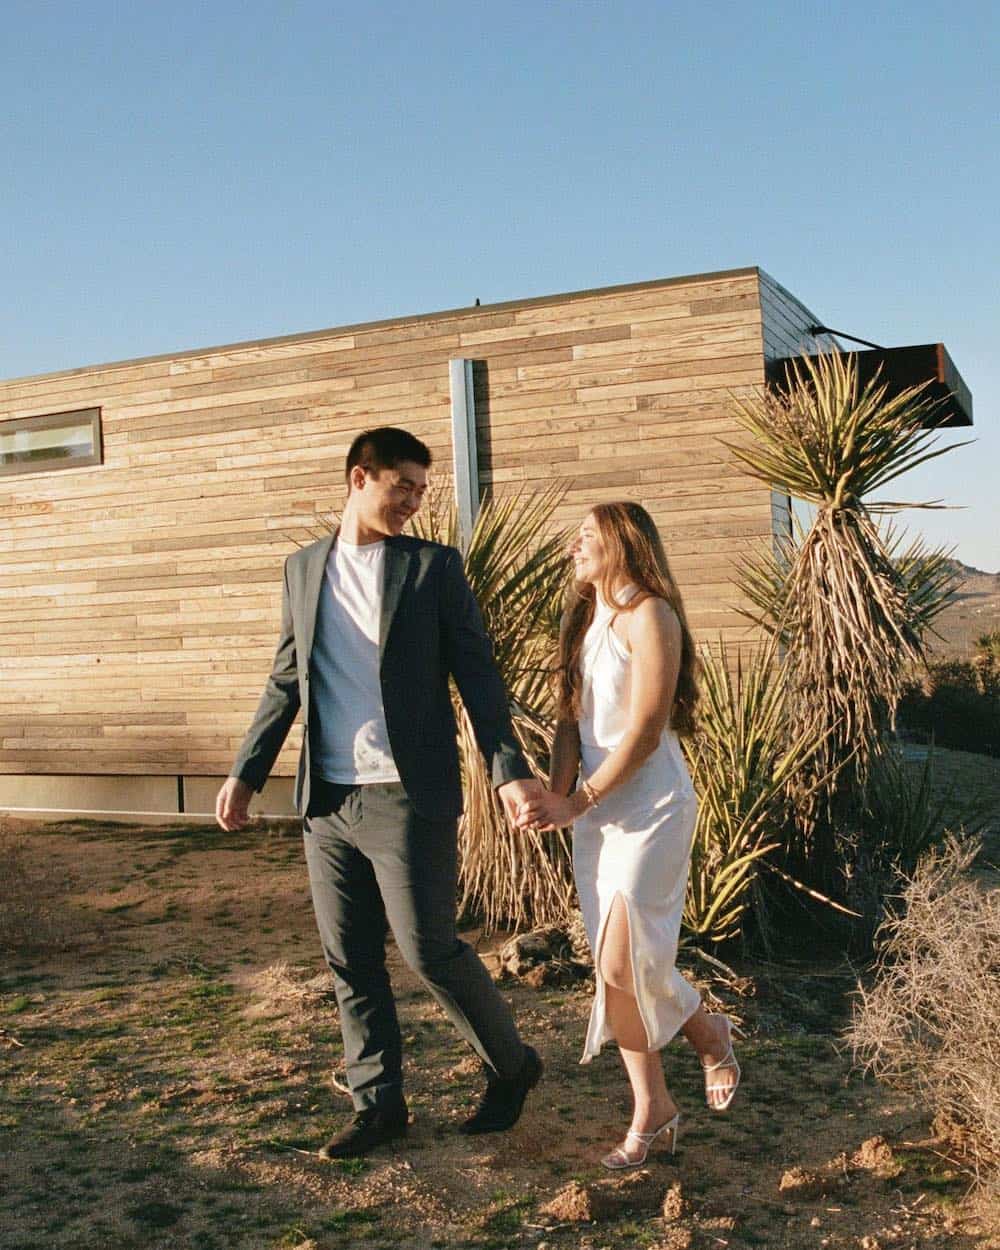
(59, 440)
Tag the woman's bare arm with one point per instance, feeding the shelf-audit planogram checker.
(565, 763)
(654, 635)
(655, 640)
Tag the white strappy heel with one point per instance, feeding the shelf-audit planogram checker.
(618, 1160)
(728, 1060)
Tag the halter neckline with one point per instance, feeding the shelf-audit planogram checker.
(627, 593)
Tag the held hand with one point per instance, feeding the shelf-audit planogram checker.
(548, 811)
(232, 804)
(514, 793)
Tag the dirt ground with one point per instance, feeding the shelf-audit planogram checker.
(170, 1056)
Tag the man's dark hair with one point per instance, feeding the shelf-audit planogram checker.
(385, 448)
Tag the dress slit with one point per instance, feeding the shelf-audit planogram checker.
(601, 1022)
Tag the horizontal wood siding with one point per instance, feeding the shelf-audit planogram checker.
(139, 600)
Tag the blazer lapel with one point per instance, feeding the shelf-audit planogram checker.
(397, 564)
(312, 586)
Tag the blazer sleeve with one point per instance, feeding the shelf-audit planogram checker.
(468, 654)
(278, 707)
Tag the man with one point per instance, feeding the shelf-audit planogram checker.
(373, 623)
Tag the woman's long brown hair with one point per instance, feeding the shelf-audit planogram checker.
(635, 555)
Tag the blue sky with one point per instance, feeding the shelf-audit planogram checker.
(181, 175)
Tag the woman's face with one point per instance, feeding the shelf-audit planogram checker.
(588, 552)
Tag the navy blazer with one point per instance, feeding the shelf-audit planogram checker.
(430, 628)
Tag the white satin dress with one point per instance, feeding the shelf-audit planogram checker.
(636, 843)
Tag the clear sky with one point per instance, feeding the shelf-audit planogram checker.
(178, 175)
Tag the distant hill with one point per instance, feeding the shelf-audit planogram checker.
(973, 611)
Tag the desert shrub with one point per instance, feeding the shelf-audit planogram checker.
(906, 814)
(954, 704)
(986, 660)
(901, 815)
(929, 1022)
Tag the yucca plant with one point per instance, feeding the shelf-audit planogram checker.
(927, 575)
(516, 567)
(848, 614)
(742, 760)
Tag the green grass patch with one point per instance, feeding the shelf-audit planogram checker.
(341, 1221)
(509, 1218)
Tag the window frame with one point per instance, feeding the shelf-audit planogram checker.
(52, 420)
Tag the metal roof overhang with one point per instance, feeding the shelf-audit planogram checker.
(903, 367)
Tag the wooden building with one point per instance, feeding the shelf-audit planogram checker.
(146, 506)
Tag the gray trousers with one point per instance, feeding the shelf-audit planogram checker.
(375, 864)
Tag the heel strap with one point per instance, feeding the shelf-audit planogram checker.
(644, 1139)
(647, 1139)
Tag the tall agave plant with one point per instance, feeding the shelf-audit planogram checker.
(742, 760)
(848, 607)
(516, 567)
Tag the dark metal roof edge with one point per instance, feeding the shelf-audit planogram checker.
(949, 381)
(766, 277)
(473, 310)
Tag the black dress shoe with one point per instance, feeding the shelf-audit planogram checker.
(501, 1105)
(371, 1127)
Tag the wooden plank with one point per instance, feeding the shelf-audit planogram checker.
(139, 603)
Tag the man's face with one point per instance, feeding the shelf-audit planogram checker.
(386, 501)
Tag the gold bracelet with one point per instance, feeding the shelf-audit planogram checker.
(593, 798)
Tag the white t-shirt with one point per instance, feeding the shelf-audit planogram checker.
(350, 741)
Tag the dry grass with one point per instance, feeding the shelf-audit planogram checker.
(930, 1022)
(33, 914)
(17, 904)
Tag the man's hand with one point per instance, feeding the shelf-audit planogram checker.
(232, 804)
(514, 793)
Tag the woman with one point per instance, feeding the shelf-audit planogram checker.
(627, 688)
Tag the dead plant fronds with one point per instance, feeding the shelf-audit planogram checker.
(516, 567)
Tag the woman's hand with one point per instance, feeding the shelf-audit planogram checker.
(548, 811)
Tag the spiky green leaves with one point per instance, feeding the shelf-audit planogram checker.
(832, 442)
